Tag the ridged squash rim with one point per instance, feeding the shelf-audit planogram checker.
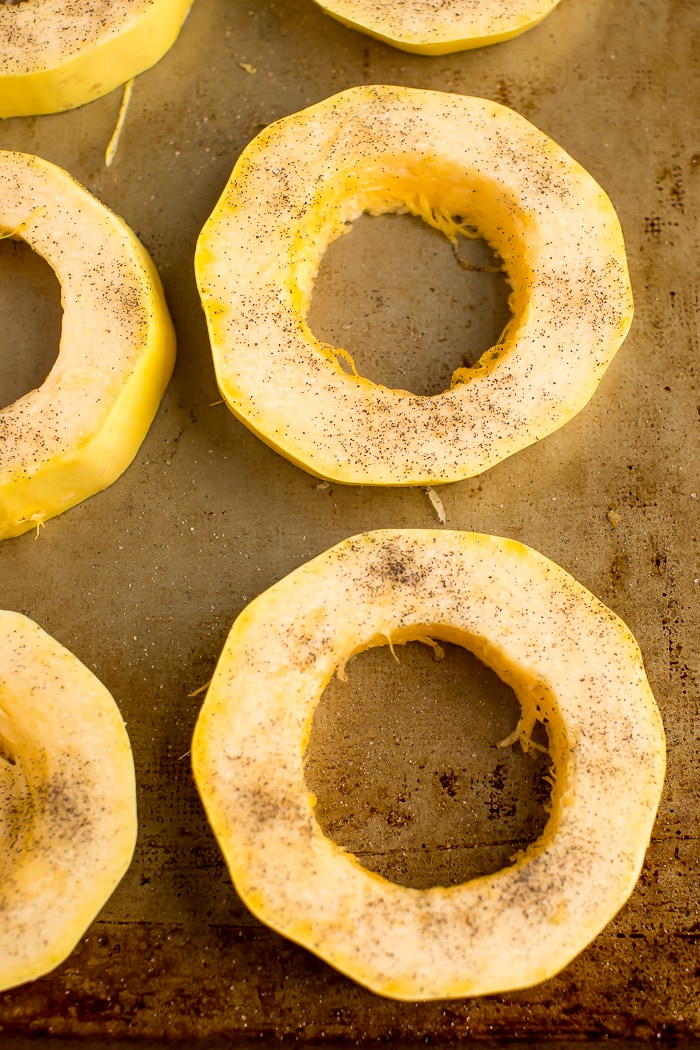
(572, 664)
(427, 28)
(68, 800)
(59, 54)
(461, 164)
(77, 432)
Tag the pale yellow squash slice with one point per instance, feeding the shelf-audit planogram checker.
(75, 434)
(67, 800)
(58, 54)
(459, 163)
(437, 27)
(572, 664)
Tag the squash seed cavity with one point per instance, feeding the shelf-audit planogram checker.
(408, 305)
(405, 763)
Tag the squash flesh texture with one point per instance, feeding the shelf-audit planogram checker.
(381, 149)
(428, 27)
(569, 659)
(76, 433)
(59, 54)
(67, 805)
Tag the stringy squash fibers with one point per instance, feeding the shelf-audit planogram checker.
(463, 165)
(437, 27)
(571, 662)
(58, 54)
(67, 800)
(76, 433)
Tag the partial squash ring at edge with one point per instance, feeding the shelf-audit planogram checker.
(59, 54)
(426, 28)
(67, 800)
(75, 434)
(457, 162)
(571, 662)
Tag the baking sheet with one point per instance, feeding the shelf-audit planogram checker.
(143, 581)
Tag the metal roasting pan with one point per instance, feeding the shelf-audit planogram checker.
(143, 581)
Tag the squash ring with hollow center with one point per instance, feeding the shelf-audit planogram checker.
(59, 54)
(67, 800)
(76, 433)
(571, 662)
(378, 149)
(427, 28)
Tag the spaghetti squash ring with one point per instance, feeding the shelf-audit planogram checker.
(427, 28)
(67, 800)
(59, 54)
(462, 164)
(572, 664)
(76, 433)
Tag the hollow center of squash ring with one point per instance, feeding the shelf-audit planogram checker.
(441, 194)
(407, 305)
(404, 762)
(30, 318)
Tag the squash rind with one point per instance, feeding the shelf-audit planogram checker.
(376, 149)
(422, 27)
(76, 433)
(569, 659)
(69, 823)
(59, 54)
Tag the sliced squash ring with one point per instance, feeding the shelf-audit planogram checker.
(75, 434)
(571, 662)
(68, 800)
(300, 184)
(58, 54)
(427, 28)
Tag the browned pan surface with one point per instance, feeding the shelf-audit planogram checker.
(143, 581)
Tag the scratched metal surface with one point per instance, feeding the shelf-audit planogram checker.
(143, 581)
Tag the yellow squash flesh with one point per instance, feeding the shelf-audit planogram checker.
(74, 435)
(438, 28)
(67, 800)
(571, 662)
(58, 54)
(460, 163)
